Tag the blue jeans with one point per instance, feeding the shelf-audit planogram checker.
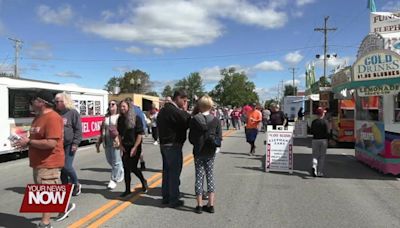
(172, 168)
(68, 174)
(113, 156)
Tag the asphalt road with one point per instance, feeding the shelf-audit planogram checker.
(351, 194)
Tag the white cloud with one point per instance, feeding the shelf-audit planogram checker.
(60, 16)
(391, 6)
(266, 93)
(134, 50)
(158, 51)
(293, 58)
(40, 50)
(269, 66)
(122, 69)
(211, 75)
(68, 74)
(304, 2)
(107, 15)
(179, 23)
(290, 82)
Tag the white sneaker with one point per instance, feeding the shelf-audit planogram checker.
(217, 150)
(112, 184)
(64, 215)
(155, 143)
(121, 179)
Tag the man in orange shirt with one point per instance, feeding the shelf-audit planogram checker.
(254, 117)
(46, 150)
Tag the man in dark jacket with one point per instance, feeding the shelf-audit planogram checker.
(320, 131)
(173, 122)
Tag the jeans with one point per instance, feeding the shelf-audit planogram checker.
(68, 174)
(319, 147)
(172, 168)
(113, 156)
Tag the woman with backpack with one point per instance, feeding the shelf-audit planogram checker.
(206, 135)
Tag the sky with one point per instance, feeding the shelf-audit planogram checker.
(86, 42)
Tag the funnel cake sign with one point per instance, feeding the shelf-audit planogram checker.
(380, 64)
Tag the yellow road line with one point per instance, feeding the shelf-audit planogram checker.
(188, 159)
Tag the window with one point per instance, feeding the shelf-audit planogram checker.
(369, 108)
(82, 108)
(19, 103)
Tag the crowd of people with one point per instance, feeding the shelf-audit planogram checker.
(56, 133)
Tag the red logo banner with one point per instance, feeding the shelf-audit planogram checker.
(42, 198)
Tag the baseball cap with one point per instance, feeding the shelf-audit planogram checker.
(46, 96)
(320, 111)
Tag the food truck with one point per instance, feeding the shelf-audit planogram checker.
(342, 108)
(376, 81)
(16, 116)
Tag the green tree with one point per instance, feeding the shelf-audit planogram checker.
(193, 84)
(167, 92)
(135, 81)
(290, 90)
(152, 93)
(269, 102)
(234, 89)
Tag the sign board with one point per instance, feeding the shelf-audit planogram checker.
(91, 126)
(378, 90)
(381, 64)
(300, 129)
(385, 22)
(279, 154)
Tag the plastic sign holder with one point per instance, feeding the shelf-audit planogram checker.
(279, 149)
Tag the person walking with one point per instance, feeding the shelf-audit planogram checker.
(111, 144)
(320, 132)
(153, 119)
(173, 122)
(277, 117)
(266, 113)
(46, 147)
(206, 135)
(130, 133)
(72, 138)
(254, 117)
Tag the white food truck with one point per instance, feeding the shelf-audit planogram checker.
(16, 115)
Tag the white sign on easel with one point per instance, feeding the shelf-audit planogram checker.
(279, 153)
(300, 129)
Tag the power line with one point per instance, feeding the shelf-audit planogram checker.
(325, 29)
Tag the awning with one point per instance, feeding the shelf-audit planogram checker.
(358, 84)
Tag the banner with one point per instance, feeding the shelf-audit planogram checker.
(42, 198)
(91, 126)
(378, 90)
(384, 22)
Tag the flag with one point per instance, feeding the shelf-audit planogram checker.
(308, 84)
(371, 5)
(312, 74)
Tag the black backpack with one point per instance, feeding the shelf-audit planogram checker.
(211, 139)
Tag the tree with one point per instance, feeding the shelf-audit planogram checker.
(269, 102)
(167, 92)
(135, 81)
(234, 89)
(289, 90)
(193, 84)
(152, 93)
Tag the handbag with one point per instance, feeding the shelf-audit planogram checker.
(112, 130)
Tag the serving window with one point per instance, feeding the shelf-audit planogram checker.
(19, 103)
(369, 108)
(397, 108)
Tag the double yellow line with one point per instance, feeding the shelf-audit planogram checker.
(157, 178)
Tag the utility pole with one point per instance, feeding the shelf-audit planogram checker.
(17, 47)
(325, 30)
(293, 69)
